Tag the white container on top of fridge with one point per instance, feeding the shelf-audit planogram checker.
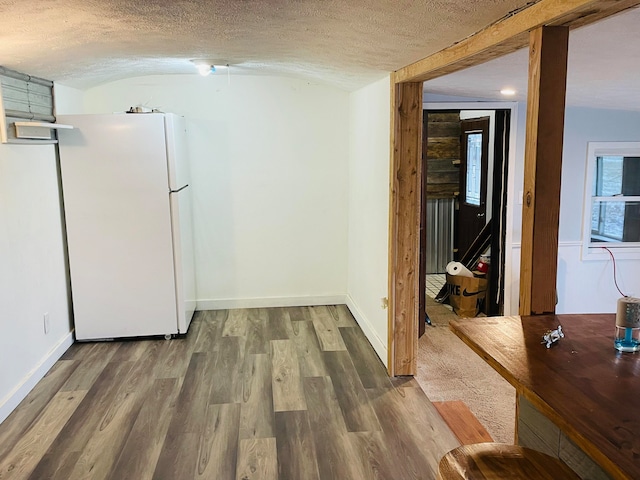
(128, 221)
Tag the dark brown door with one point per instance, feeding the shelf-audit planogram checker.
(474, 153)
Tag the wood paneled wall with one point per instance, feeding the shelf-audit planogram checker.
(443, 154)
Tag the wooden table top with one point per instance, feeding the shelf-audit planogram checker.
(585, 386)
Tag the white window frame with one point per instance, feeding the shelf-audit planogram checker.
(589, 250)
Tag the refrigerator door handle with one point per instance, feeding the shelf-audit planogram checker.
(180, 189)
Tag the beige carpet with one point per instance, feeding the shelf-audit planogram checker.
(449, 370)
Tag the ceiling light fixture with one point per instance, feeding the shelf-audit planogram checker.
(207, 66)
(508, 92)
(204, 69)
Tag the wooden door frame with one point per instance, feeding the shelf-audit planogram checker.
(508, 190)
(505, 36)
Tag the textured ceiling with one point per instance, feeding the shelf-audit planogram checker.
(603, 68)
(346, 43)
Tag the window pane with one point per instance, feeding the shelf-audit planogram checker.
(612, 197)
(617, 175)
(608, 181)
(631, 176)
(614, 221)
(474, 168)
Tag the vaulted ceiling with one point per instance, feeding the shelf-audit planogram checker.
(346, 43)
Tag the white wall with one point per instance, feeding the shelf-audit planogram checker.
(269, 170)
(33, 273)
(369, 210)
(515, 184)
(583, 125)
(68, 99)
(587, 286)
(33, 276)
(583, 286)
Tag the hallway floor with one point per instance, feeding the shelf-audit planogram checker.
(281, 393)
(448, 370)
(435, 281)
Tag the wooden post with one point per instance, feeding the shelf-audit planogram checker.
(504, 36)
(542, 169)
(404, 236)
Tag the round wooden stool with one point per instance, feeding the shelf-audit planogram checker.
(490, 461)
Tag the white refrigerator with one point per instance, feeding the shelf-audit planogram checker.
(127, 209)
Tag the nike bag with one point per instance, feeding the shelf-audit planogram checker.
(466, 294)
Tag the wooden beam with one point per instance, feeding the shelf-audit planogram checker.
(505, 36)
(542, 169)
(509, 34)
(404, 234)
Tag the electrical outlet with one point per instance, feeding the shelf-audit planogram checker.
(46, 322)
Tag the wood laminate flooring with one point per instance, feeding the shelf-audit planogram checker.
(250, 394)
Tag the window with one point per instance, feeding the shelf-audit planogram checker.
(474, 168)
(25, 98)
(612, 199)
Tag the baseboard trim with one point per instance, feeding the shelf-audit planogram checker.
(376, 342)
(266, 302)
(13, 399)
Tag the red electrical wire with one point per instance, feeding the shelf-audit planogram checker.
(615, 281)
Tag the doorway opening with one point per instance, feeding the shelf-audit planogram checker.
(465, 154)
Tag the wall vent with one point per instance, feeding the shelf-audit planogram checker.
(26, 109)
